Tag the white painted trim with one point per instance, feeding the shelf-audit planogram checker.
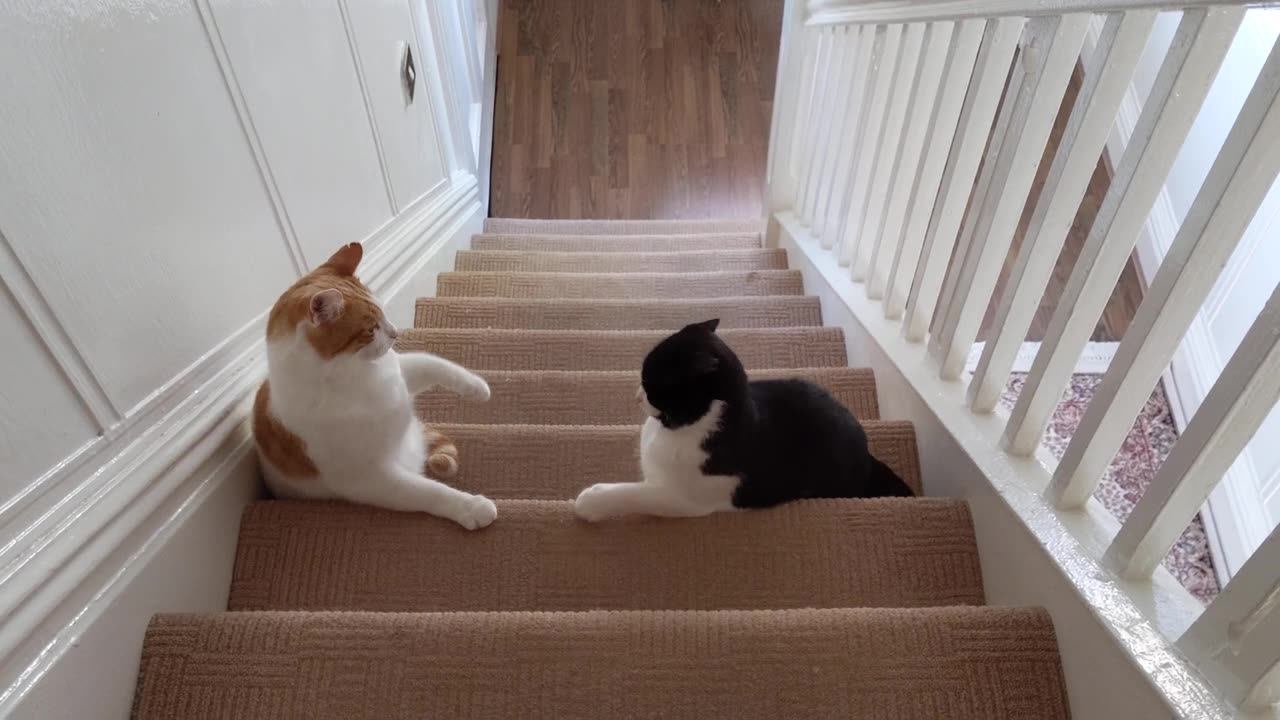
(1138, 620)
(99, 506)
(835, 12)
(210, 22)
(17, 279)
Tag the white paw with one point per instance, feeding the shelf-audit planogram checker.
(476, 512)
(594, 504)
(476, 389)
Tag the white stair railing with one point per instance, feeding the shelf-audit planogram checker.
(911, 153)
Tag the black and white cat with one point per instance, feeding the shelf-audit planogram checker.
(715, 441)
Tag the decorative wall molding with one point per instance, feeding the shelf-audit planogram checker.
(210, 22)
(368, 105)
(15, 276)
(70, 522)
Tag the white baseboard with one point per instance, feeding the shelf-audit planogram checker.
(144, 519)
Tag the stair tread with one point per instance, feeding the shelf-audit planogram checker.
(604, 397)
(619, 285)
(623, 227)
(853, 664)
(618, 349)
(540, 556)
(555, 462)
(596, 262)
(615, 314)
(615, 243)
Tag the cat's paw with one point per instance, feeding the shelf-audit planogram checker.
(594, 504)
(476, 389)
(476, 512)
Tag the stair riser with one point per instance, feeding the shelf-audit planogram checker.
(519, 350)
(557, 462)
(682, 262)
(621, 227)
(952, 663)
(565, 398)
(408, 562)
(620, 285)
(630, 243)
(614, 315)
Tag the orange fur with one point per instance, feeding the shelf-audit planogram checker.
(286, 451)
(354, 325)
(442, 454)
(349, 329)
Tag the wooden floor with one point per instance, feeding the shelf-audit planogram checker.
(633, 108)
(661, 109)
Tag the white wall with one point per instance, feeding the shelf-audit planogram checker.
(166, 170)
(1247, 506)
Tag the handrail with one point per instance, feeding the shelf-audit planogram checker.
(844, 12)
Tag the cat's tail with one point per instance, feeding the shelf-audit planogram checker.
(442, 455)
(884, 482)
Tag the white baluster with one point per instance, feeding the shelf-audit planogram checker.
(1196, 52)
(1236, 185)
(1119, 46)
(847, 155)
(818, 98)
(889, 41)
(1235, 642)
(1050, 54)
(827, 121)
(920, 107)
(803, 109)
(841, 120)
(1229, 417)
(981, 189)
(942, 128)
(1000, 39)
(888, 147)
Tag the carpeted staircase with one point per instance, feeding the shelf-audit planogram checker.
(819, 609)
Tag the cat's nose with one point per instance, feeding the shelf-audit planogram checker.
(392, 332)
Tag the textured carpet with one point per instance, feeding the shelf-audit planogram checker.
(617, 350)
(607, 243)
(619, 285)
(621, 227)
(602, 314)
(1134, 467)
(555, 462)
(603, 262)
(853, 664)
(540, 557)
(555, 397)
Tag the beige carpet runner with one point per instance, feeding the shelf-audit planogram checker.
(850, 609)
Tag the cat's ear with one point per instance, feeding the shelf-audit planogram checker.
(704, 363)
(347, 259)
(707, 326)
(326, 306)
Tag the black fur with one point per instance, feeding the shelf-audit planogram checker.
(786, 439)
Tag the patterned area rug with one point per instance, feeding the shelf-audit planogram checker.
(1144, 451)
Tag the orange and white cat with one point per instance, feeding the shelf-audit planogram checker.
(335, 418)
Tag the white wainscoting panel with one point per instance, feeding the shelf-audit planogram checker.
(129, 192)
(294, 66)
(42, 419)
(410, 142)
